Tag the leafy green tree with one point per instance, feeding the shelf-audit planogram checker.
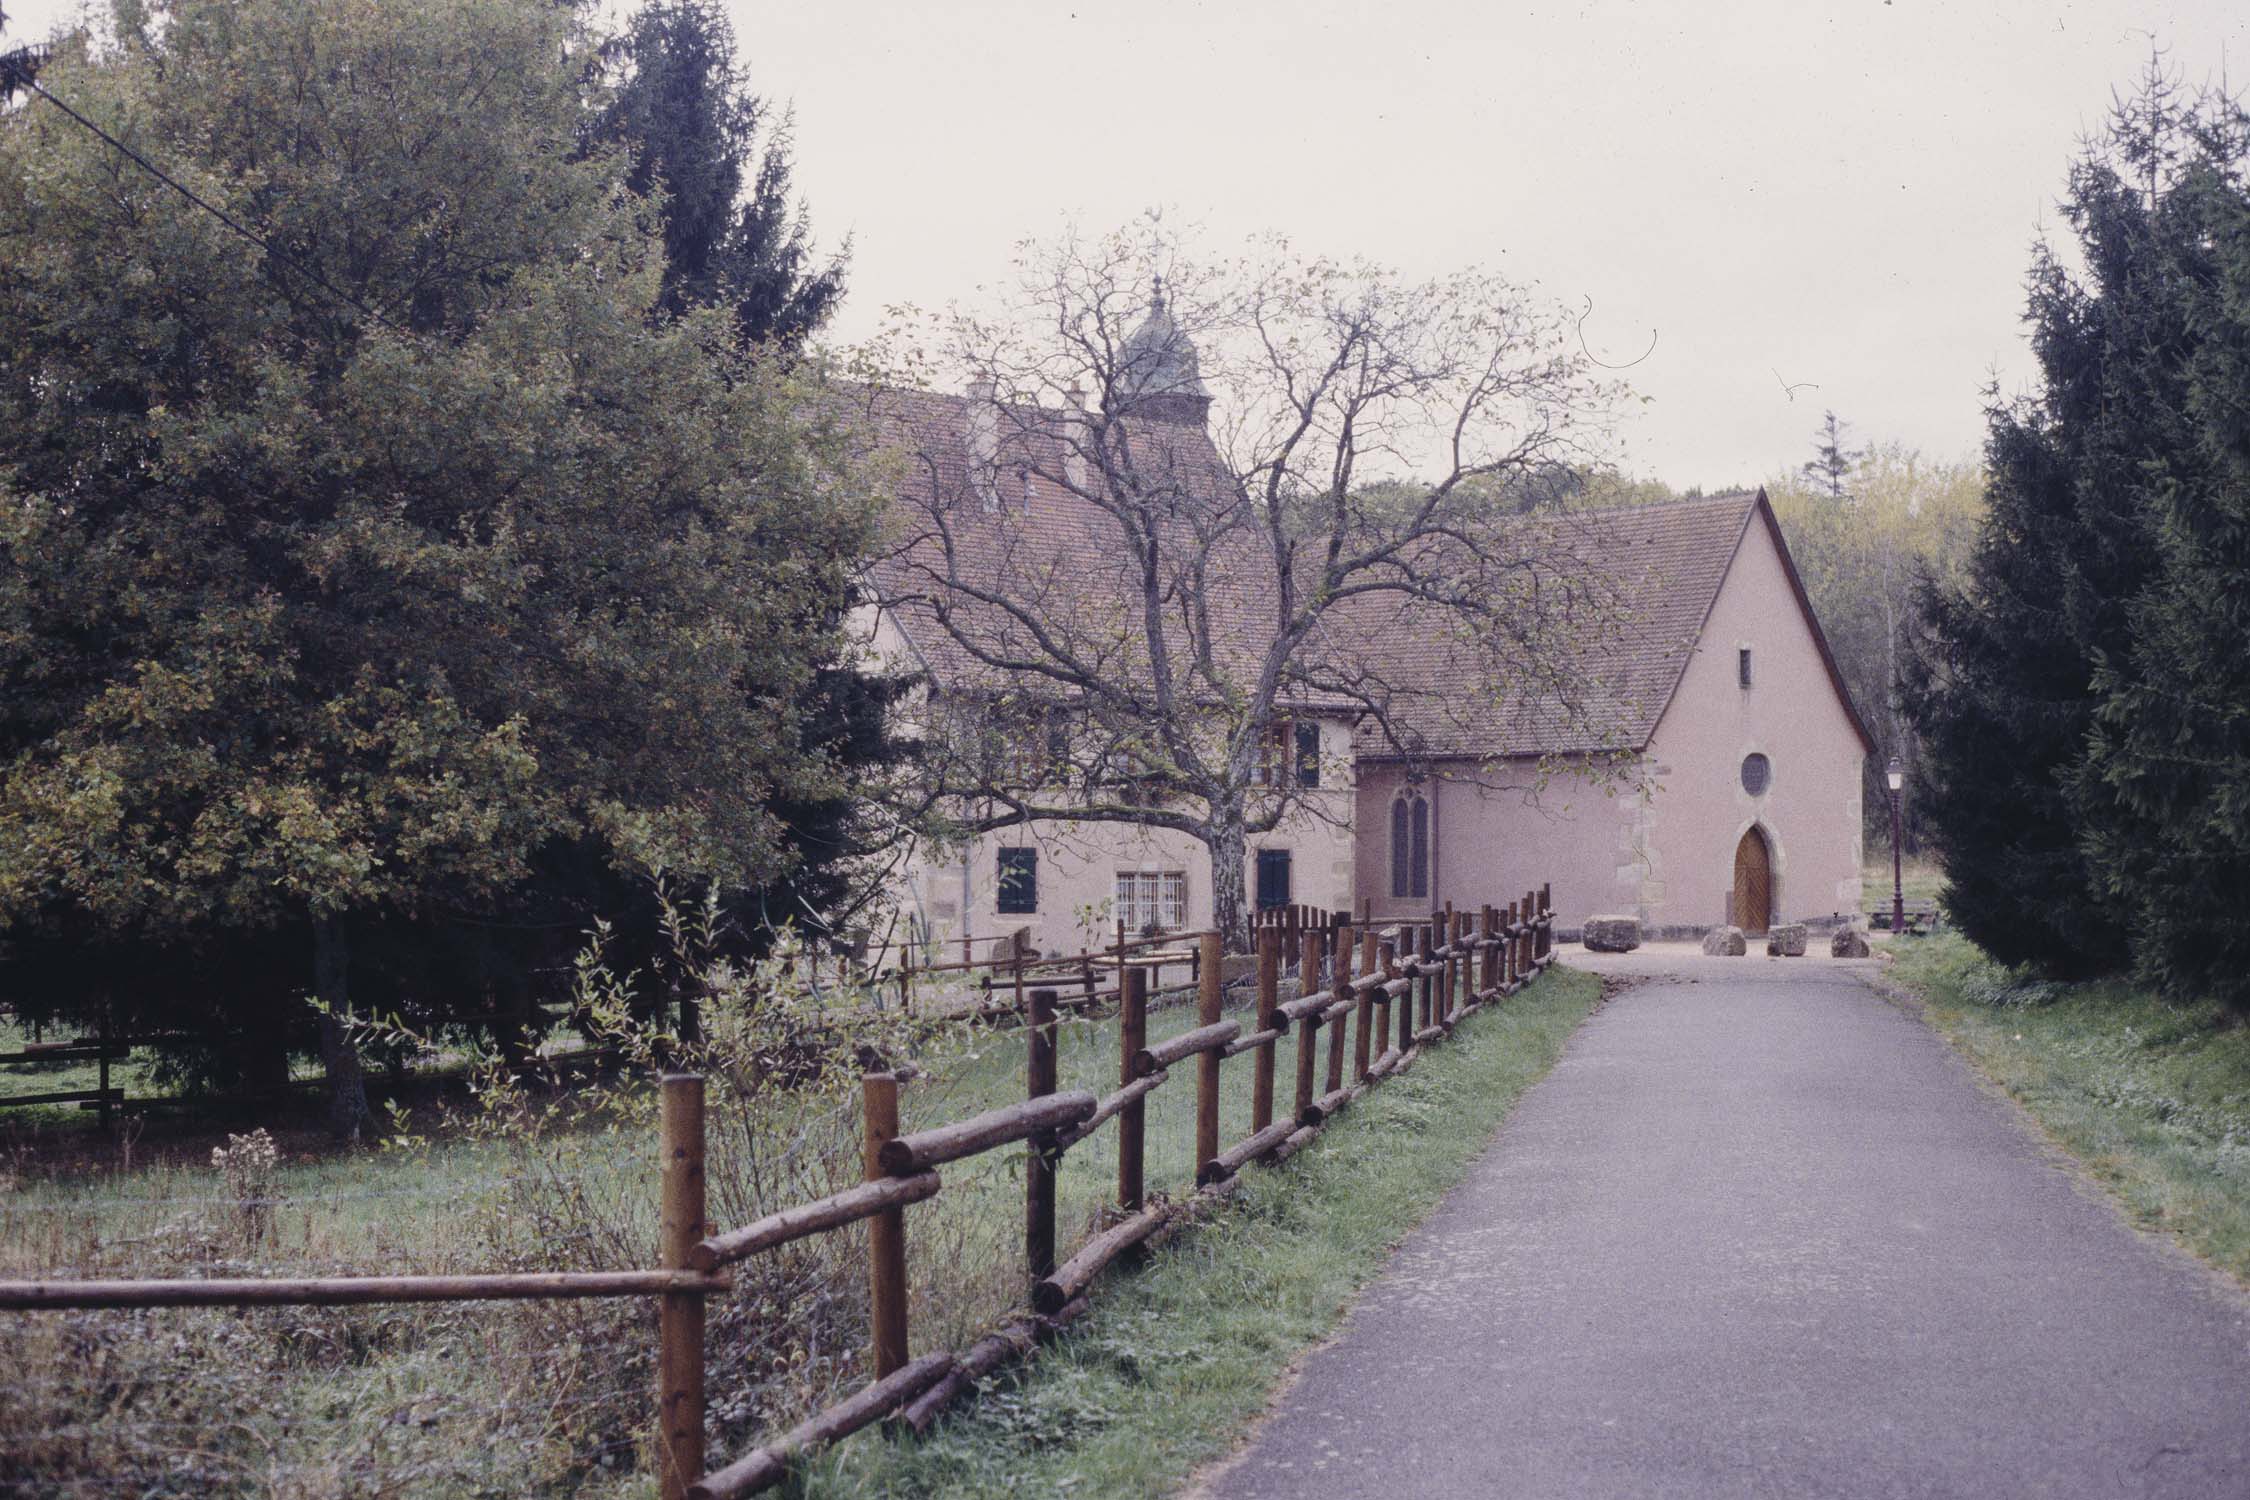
(344, 581)
(2163, 792)
(1893, 517)
(699, 138)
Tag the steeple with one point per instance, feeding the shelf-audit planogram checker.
(1156, 369)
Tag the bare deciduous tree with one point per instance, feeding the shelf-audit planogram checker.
(1186, 503)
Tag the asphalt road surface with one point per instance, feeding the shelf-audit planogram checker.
(1762, 1233)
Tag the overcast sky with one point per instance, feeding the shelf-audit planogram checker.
(1836, 197)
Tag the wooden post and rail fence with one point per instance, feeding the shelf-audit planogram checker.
(1383, 994)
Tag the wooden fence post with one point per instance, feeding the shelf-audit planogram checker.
(1448, 997)
(679, 1319)
(1308, 1026)
(1546, 943)
(1207, 1003)
(1039, 1165)
(1463, 963)
(1340, 972)
(101, 1083)
(1363, 1034)
(1132, 1036)
(1428, 984)
(886, 1232)
(1269, 987)
(1400, 953)
(1488, 964)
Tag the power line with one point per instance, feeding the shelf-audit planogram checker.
(20, 68)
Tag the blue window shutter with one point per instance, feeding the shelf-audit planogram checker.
(1273, 878)
(1019, 882)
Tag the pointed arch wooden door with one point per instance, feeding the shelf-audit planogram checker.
(1753, 883)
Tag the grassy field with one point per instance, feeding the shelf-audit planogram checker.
(552, 1398)
(1174, 1360)
(1919, 880)
(2154, 1098)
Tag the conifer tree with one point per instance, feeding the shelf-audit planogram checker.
(718, 158)
(2003, 689)
(2163, 794)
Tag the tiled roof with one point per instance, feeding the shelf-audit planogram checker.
(1632, 587)
(1649, 575)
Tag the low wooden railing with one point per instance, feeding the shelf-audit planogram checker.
(1386, 994)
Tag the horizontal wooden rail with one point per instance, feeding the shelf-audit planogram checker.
(348, 1291)
(63, 1096)
(1107, 1109)
(1254, 1040)
(1186, 1044)
(1241, 1154)
(1051, 1292)
(1306, 1005)
(764, 1467)
(925, 1149)
(1107, 954)
(1012, 1340)
(831, 1212)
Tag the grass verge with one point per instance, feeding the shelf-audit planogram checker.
(2153, 1097)
(1176, 1358)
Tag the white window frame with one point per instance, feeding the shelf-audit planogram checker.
(1158, 896)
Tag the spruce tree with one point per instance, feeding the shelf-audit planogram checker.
(717, 158)
(2163, 793)
(2002, 688)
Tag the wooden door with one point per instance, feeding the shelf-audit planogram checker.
(1753, 883)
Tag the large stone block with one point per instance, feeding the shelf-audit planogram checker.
(1612, 934)
(1849, 942)
(1725, 942)
(1786, 940)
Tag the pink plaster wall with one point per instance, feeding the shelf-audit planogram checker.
(1666, 855)
(1811, 811)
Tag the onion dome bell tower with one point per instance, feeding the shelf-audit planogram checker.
(1156, 370)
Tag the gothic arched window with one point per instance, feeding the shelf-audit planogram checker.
(1410, 845)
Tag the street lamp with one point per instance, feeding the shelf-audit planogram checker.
(1896, 776)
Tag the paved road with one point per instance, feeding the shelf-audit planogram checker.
(1762, 1233)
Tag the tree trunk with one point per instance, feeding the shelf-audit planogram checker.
(1230, 897)
(347, 1080)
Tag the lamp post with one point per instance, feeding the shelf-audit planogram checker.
(1896, 776)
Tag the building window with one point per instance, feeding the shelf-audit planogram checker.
(1742, 664)
(1019, 882)
(1757, 774)
(1410, 846)
(1273, 878)
(1152, 900)
(1288, 749)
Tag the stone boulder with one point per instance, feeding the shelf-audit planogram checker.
(1612, 934)
(1725, 942)
(1786, 940)
(1849, 942)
